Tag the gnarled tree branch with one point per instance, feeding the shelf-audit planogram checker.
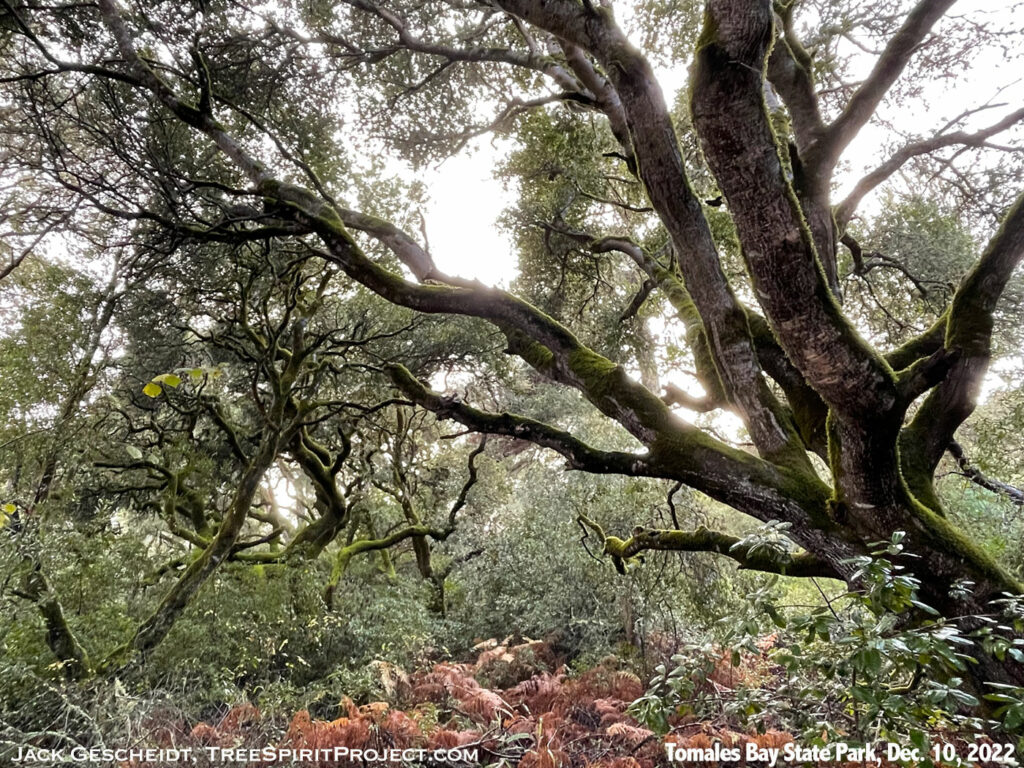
(887, 70)
(749, 556)
(846, 209)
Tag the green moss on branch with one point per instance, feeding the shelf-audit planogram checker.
(749, 555)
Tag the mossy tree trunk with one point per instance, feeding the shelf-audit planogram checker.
(794, 369)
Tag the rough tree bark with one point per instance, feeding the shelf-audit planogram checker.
(866, 399)
(800, 376)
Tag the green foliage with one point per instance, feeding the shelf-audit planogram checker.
(169, 329)
(534, 542)
(917, 249)
(852, 668)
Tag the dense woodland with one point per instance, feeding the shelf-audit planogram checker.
(737, 455)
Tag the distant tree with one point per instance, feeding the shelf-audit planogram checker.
(188, 127)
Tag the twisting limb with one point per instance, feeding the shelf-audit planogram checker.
(818, 147)
(278, 430)
(606, 97)
(976, 476)
(739, 143)
(671, 286)
(917, 378)
(706, 469)
(676, 396)
(865, 263)
(920, 346)
(74, 660)
(846, 209)
(791, 72)
(660, 166)
(866, 402)
(968, 333)
(362, 546)
(887, 70)
(142, 75)
(790, 69)
(471, 480)
(749, 556)
(604, 383)
(806, 408)
(638, 301)
(578, 454)
(415, 532)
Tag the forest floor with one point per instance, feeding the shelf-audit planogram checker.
(514, 706)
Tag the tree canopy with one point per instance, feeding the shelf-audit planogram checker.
(225, 324)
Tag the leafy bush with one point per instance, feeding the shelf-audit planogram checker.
(854, 668)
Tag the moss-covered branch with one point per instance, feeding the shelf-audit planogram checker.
(757, 405)
(74, 661)
(979, 478)
(579, 454)
(968, 336)
(742, 151)
(745, 482)
(382, 544)
(750, 556)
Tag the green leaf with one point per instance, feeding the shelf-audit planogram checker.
(168, 379)
(965, 699)
(920, 740)
(10, 509)
(1013, 718)
(925, 607)
(864, 695)
(152, 389)
(775, 616)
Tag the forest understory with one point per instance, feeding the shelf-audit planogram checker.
(515, 705)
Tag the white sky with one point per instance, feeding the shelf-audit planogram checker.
(461, 218)
(466, 200)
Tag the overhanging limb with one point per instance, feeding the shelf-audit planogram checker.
(750, 556)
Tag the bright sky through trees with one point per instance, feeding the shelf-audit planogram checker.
(466, 200)
(287, 314)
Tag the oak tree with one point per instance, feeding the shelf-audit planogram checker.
(185, 131)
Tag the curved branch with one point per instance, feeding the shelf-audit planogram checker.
(660, 165)
(749, 556)
(579, 455)
(886, 72)
(62, 641)
(532, 60)
(921, 346)
(846, 209)
(766, 492)
(145, 77)
(676, 450)
(669, 283)
(791, 72)
(976, 476)
(606, 97)
(969, 325)
(471, 480)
